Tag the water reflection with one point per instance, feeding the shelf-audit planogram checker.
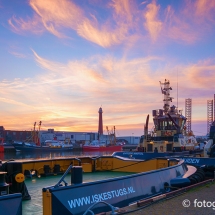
(47, 155)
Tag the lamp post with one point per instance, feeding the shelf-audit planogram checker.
(84, 138)
(132, 138)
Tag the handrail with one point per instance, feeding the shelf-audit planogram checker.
(66, 172)
(63, 176)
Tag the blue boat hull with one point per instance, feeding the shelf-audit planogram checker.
(11, 204)
(148, 155)
(118, 192)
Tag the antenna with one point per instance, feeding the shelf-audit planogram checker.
(177, 88)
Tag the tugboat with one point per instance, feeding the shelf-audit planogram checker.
(147, 179)
(96, 182)
(169, 136)
(169, 133)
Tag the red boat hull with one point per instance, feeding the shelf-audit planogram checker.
(102, 148)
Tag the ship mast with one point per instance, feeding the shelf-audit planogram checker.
(165, 90)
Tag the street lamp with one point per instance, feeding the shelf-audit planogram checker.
(132, 138)
(84, 137)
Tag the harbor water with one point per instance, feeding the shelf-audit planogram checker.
(47, 155)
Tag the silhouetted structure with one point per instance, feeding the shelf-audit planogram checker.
(209, 114)
(100, 129)
(188, 113)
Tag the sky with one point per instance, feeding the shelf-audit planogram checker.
(63, 60)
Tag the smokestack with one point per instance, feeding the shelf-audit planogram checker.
(100, 122)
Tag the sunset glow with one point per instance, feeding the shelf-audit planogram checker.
(63, 60)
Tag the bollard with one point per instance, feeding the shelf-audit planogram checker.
(76, 175)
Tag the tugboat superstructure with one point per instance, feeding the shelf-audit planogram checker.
(169, 133)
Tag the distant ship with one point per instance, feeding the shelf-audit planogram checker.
(103, 145)
(33, 144)
(51, 145)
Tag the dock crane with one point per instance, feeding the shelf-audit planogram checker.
(111, 135)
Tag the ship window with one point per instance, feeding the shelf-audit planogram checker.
(160, 124)
(156, 124)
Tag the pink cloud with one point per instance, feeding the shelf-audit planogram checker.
(50, 15)
(98, 77)
(192, 22)
(201, 72)
(124, 21)
(20, 25)
(112, 31)
(153, 24)
(123, 10)
(176, 27)
(56, 15)
(19, 55)
(102, 35)
(205, 9)
(188, 24)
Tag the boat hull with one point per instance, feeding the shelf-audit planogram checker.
(102, 148)
(208, 164)
(150, 155)
(118, 192)
(11, 204)
(20, 147)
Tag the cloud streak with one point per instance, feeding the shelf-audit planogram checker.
(128, 20)
(153, 24)
(95, 81)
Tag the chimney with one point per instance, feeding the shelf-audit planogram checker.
(100, 122)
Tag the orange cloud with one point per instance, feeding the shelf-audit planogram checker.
(55, 15)
(103, 36)
(112, 31)
(201, 72)
(50, 15)
(72, 92)
(123, 23)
